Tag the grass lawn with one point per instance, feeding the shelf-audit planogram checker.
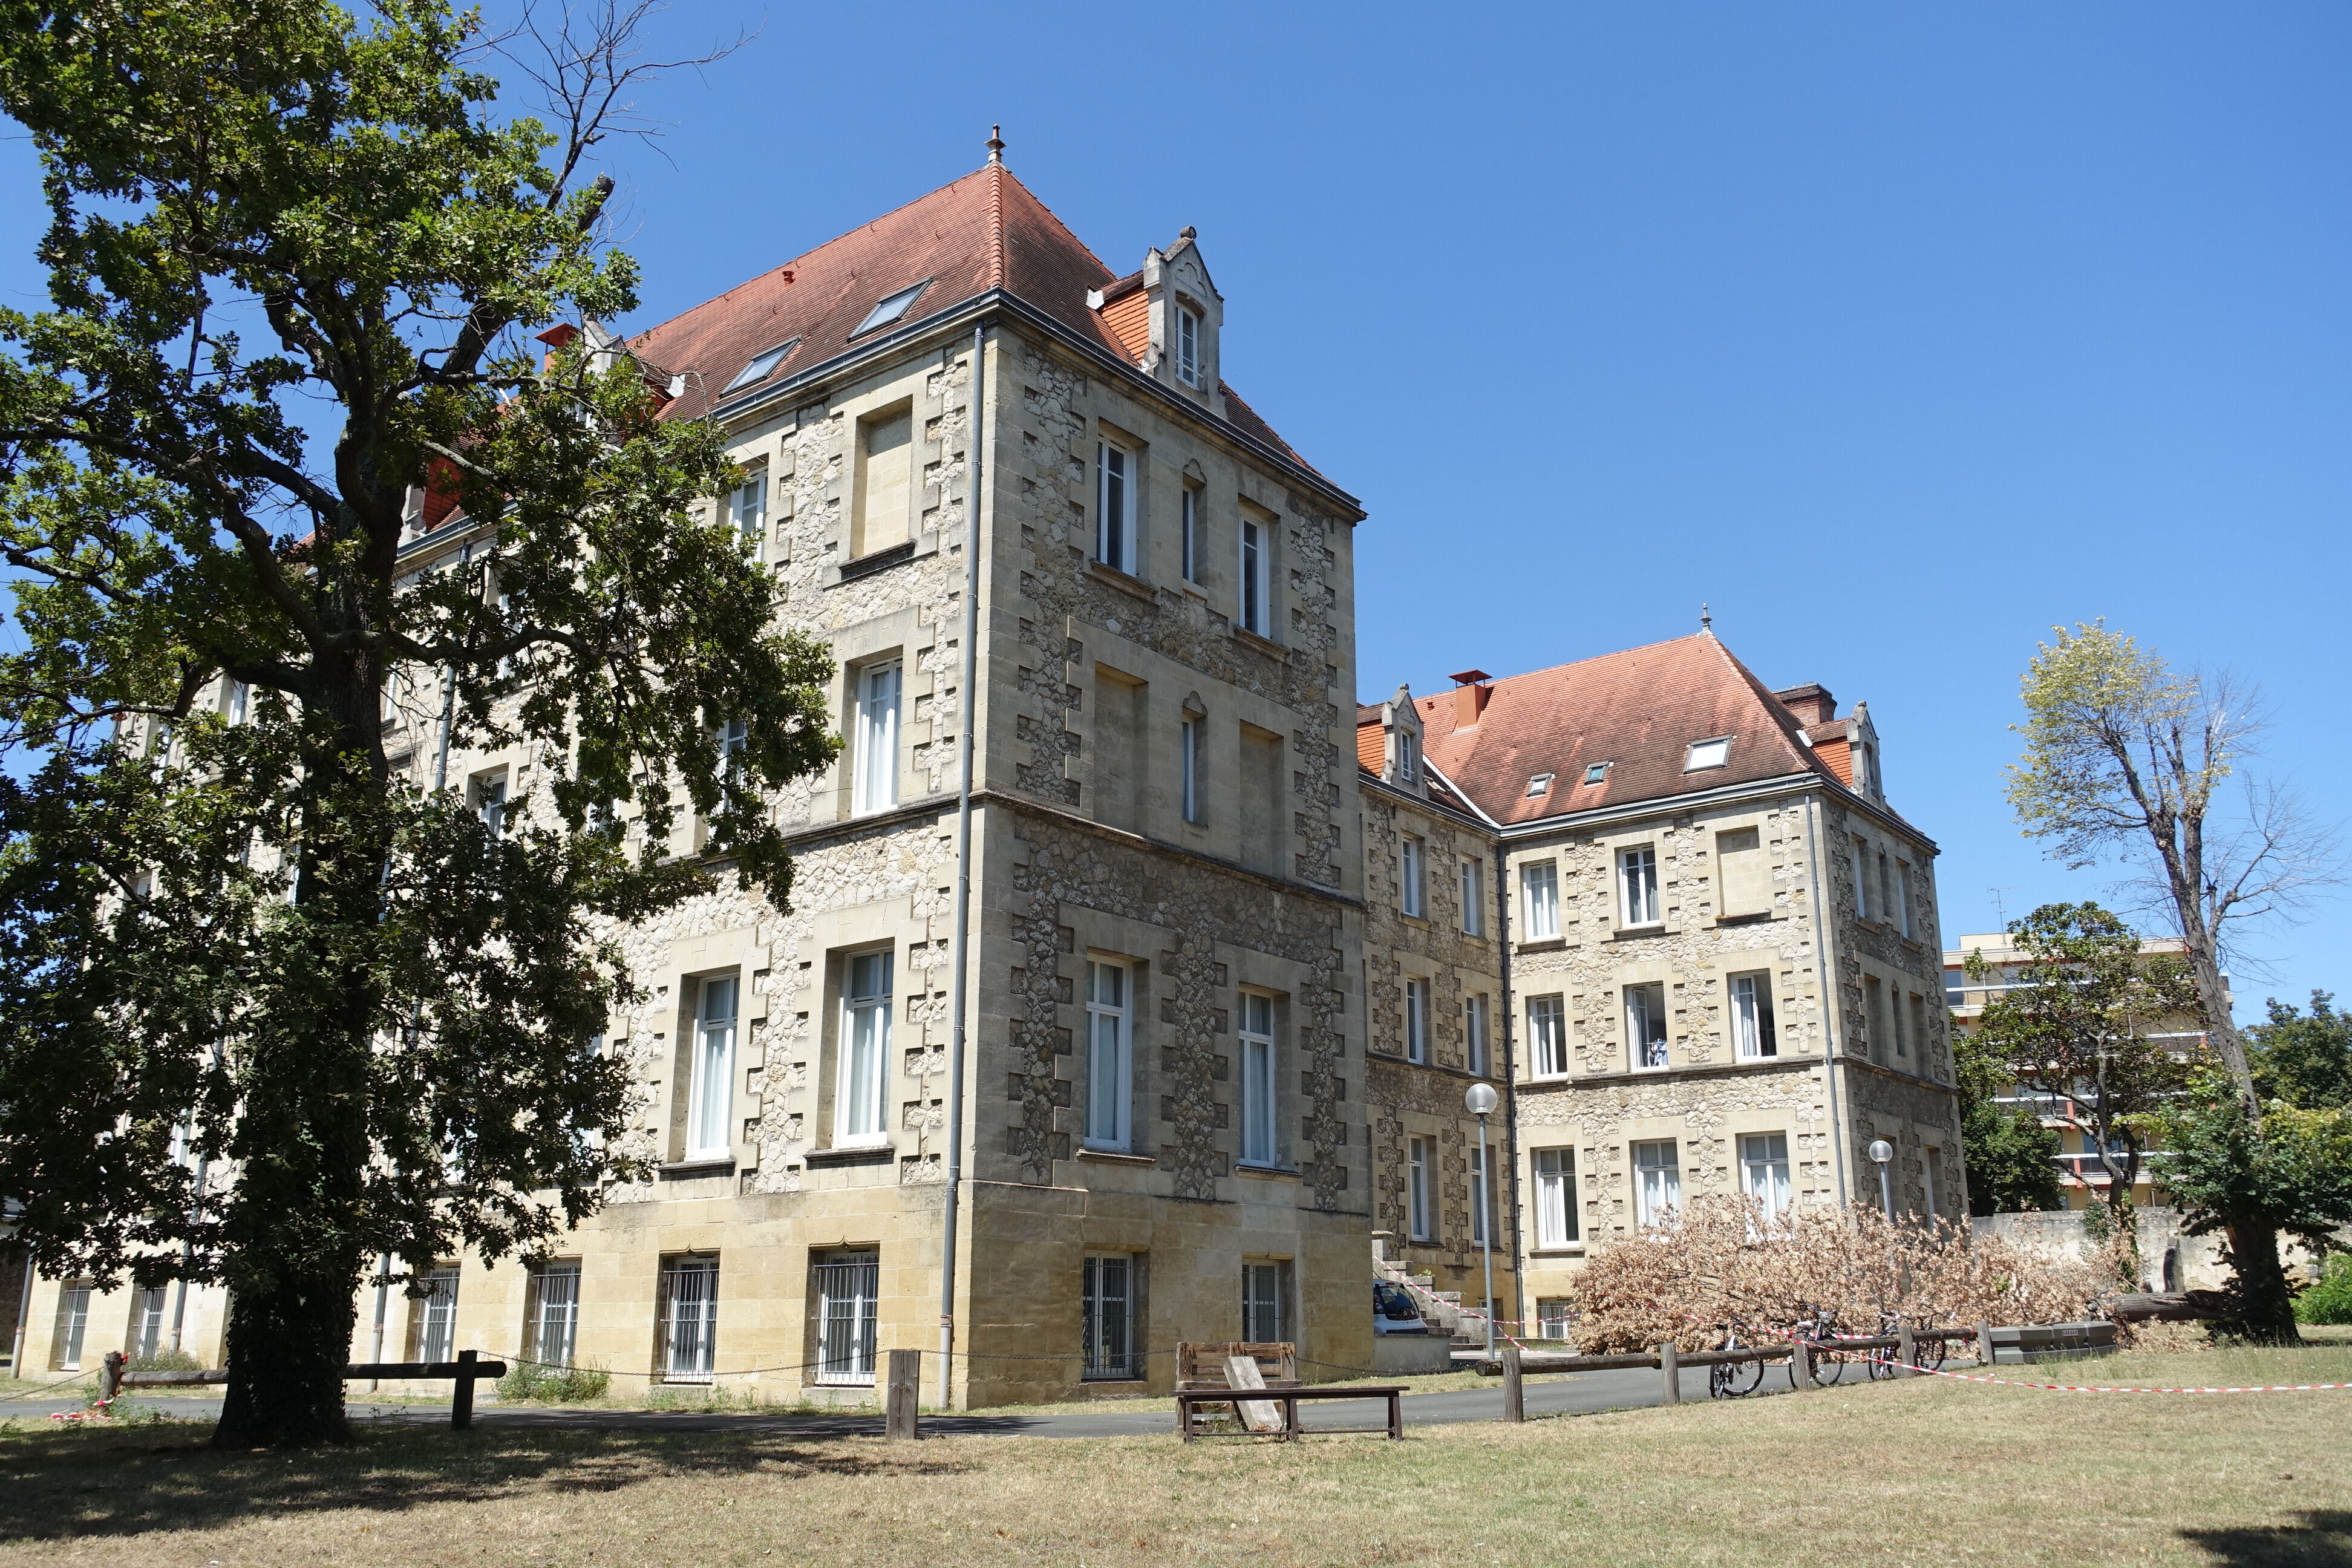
(1931, 1471)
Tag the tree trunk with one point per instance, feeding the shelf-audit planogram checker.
(2264, 1304)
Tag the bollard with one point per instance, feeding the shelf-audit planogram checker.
(109, 1377)
(1984, 1344)
(1670, 1368)
(900, 1411)
(1801, 1363)
(1515, 1396)
(461, 1401)
(1906, 1351)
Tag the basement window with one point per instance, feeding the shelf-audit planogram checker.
(1540, 783)
(763, 364)
(892, 308)
(1707, 754)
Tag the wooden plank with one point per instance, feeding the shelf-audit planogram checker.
(173, 1379)
(425, 1369)
(1257, 1414)
(899, 1414)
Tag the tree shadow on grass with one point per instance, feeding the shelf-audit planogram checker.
(2322, 1539)
(130, 1481)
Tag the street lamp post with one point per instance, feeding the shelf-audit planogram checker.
(1883, 1153)
(1480, 1103)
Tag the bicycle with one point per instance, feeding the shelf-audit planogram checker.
(1881, 1359)
(1734, 1379)
(1821, 1331)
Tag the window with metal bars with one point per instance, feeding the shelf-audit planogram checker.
(847, 1284)
(551, 1314)
(433, 1316)
(1109, 1308)
(689, 1319)
(1266, 1307)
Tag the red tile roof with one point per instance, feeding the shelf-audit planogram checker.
(1638, 711)
(986, 231)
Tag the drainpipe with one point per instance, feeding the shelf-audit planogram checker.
(1510, 1083)
(958, 1005)
(1826, 956)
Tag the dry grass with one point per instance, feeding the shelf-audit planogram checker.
(1931, 1472)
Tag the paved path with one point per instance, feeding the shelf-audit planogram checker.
(1575, 1394)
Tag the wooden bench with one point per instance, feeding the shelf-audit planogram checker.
(1189, 1401)
(1209, 1375)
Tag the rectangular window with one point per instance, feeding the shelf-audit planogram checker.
(1475, 1049)
(1110, 1087)
(1885, 904)
(1107, 1306)
(1416, 1020)
(1555, 1318)
(551, 1313)
(734, 738)
(1860, 857)
(750, 505)
(1896, 1010)
(875, 768)
(1658, 1183)
(1547, 1037)
(1188, 347)
(240, 697)
(146, 1336)
(1903, 898)
(1637, 884)
(1266, 1306)
(1480, 1213)
(1252, 606)
(1931, 1173)
(1704, 754)
(848, 1292)
(1753, 1033)
(1195, 555)
(1873, 998)
(1743, 880)
(861, 1088)
(1189, 753)
(1919, 1022)
(1422, 1216)
(1474, 898)
(1645, 1024)
(1114, 506)
(73, 1326)
(689, 1319)
(491, 801)
(1555, 1171)
(1540, 892)
(433, 1316)
(1258, 1143)
(708, 1136)
(1408, 874)
(1764, 1170)
(886, 482)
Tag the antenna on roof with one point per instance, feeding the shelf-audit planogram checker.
(1706, 621)
(996, 146)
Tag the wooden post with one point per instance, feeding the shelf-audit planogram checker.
(109, 1377)
(1984, 1344)
(461, 1399)
(899, 1413)
(1906, 1351)
(1670, 1368)
(1801, 1363)
(1514, 1400)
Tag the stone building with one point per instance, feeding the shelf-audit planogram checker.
(1722, 970)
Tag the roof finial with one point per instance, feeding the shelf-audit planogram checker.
(1706, 621)
(996, 146)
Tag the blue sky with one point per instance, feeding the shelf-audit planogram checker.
(1895, 334)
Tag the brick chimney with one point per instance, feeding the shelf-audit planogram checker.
(1812, 703)
(1471, 690)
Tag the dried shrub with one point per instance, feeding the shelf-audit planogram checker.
(1722, 1261)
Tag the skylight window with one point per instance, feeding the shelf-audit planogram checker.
(890, 310)
(1597, 774)
(763, 364)
(1707, 754)
(1540, 783)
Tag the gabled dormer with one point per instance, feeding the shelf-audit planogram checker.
(1401, 759)
(1169, 316)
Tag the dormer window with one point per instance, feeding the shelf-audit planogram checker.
(1704, 754)
(1188, 347)
(763, 364)
(1597, 774)
(1408, 758)
(1539, 783)
(891, 309)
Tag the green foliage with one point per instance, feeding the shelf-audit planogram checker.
(2012, 1158)
(164, 1360)
(2303, 1060)
(2328, 1299)
(528, 1381)
(295, 261)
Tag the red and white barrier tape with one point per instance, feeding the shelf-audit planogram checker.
(2116, 1388)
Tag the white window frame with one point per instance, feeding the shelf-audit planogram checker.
(1251, 609)
(72, 1333)
(1539, 900)
(237, 701)
(551, 1326)
(1261, 1146)
(1703, 755)
(1764, 1171)
(1555, 1193)
(1416, 1018)
(1266, 1300)
(1412, 894)
(1755, 1026)
(1657, 1182)
(1188, 346)
(1931, 1158)
(147, 1306)
(712, 1109)
(1421, 1213)
(873, 781)
(1478, 1031)
(1106, 1296)
(747, 509)
(435, 1314)
(1473, 896)
(848, 1308)
(1648, 1039)
(1547, 1036)
(1189, 742)
(491, 801)
(1638, 901)
(1110, 1056)
(688, 1317)
(1115, 479)
(1555, 1318)
(861, 1086)
(1190, 542)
